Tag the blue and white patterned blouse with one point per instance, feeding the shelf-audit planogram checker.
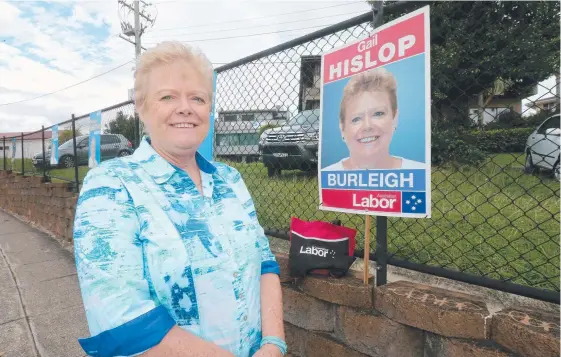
(152, 252)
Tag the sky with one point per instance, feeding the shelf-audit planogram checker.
(47, 46)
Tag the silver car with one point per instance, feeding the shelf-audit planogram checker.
(111, 146)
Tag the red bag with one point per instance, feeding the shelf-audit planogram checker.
(320, 248)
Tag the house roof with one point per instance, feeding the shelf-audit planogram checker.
(34, 136)
(547, 100)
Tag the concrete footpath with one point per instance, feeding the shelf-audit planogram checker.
(41, 310)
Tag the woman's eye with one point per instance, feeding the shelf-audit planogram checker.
(379, 114)
(355, 120)
(199, 99)
(166, 97)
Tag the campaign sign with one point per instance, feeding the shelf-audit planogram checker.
(54, 145)
(94, 147)
(374, 150)
(206, 146)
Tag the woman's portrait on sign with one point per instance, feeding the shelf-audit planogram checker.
(370, 115)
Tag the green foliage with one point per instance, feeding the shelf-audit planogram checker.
(265, 127)
(474, 43)
(471, 147)
(124, 125)
(455, 146)
(502, 140)
(508, 120)
(65, 135)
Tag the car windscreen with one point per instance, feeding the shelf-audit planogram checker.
(67, 144)
(305, 118)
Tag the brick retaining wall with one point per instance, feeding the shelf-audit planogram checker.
(328, 317)
(343, 317)
(49, 206)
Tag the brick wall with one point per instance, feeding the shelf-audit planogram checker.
(49, 206)
(344, 317)
(328, 317)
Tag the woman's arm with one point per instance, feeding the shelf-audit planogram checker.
(271, 314)
(271, 306)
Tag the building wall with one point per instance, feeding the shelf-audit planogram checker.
(494, 108)
(30, 148)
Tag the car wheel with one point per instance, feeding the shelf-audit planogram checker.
(529, 167)
(67, 162)
(556, 171)
(124, 153)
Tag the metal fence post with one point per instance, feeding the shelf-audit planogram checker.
(76, 179)
(22, 158)
(43, 147)
(4, 151)
(381, 222)
(137, 130)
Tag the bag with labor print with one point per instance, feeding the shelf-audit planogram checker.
(320, 248)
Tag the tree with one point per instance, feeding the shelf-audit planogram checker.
(478, 46)
(65, 135)
(123, 124)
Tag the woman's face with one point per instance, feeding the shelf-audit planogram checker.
(177, 107)
(368, 125)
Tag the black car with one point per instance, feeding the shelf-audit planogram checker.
(294, 146)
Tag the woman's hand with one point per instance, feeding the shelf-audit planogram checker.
(268, 350)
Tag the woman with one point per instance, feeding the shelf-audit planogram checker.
(367, 120)
(171, 258)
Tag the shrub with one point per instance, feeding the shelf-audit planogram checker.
(502, 140)
(455, 146)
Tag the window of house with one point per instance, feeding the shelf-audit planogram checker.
(237, 139)
(248, 117)
(248, 139)
(226, 139)
(312, 104)
(230, 117)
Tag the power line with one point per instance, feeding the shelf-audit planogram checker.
(251, 27)
(65, 88)
(250, 35)
(249, 18)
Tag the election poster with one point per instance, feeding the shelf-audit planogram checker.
(54, 145)
(375, 137)
(207, 145)
(94, 147)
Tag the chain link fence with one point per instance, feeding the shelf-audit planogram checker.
(33, 153)
(495, 177)
(495, 142)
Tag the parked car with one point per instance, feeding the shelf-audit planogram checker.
(542, 147)
(292, 146)
(111, 146)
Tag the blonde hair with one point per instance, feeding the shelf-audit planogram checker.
(378, 79)
(165, 53)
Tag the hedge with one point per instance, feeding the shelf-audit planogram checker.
(470, 147)
(503, 140)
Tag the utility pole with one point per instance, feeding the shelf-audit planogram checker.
(137, 28)
(143, 17)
